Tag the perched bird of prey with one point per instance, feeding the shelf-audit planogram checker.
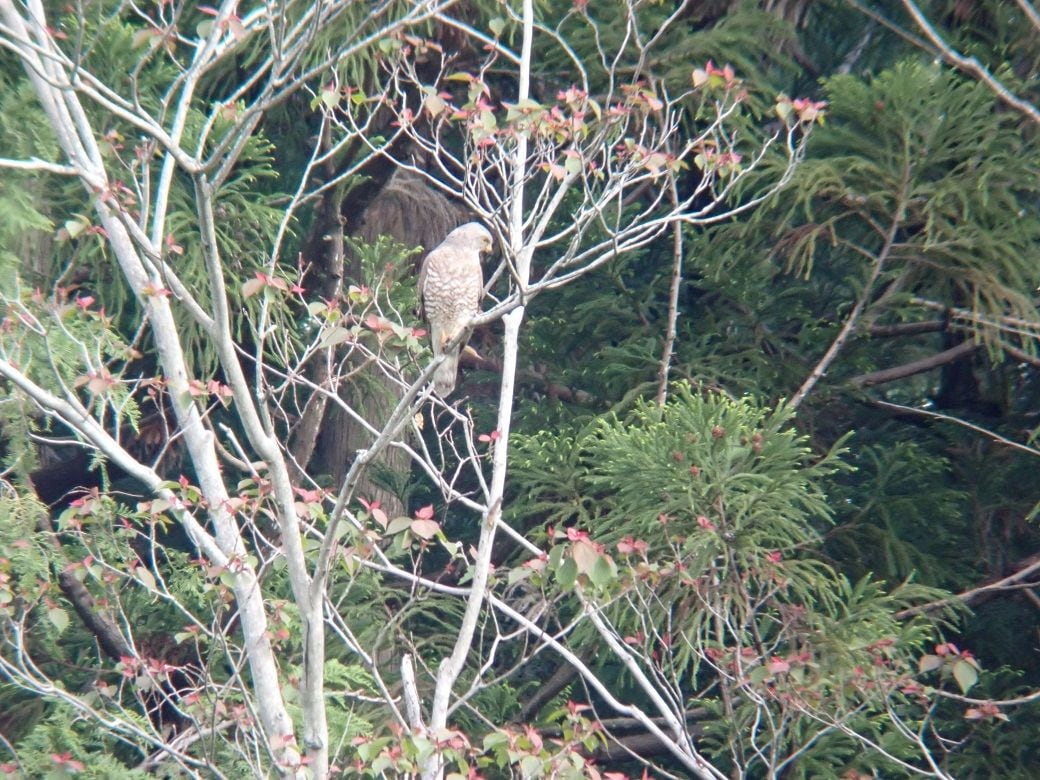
(451, 284)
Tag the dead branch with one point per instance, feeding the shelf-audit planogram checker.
(915, 367)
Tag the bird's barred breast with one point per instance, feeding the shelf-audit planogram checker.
(451, 295)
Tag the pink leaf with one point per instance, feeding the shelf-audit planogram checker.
(425, 529)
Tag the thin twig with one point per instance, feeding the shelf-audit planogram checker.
(970, 65)
(957, 421)
(850, 322)
(673, 302)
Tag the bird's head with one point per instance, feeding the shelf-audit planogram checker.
(473, 235)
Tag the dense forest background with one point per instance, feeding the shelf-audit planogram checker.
(740, 477)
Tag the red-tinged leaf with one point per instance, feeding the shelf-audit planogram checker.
(236, 28)
(424, 513)
(558, 172)
(537, 564)
(99, 384)
(235, 503)
(699, 77)
(218, 389)
(143, 37)
(377, 323)
(150, 290)
(434, 105)
(425, 529)
(380, 516)
(585, 556)
(656, 161)
(252, 287)
(778, 665)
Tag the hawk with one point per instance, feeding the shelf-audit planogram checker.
(451, 284)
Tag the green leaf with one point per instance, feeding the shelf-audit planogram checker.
(965, 674)
(399, 524)
(59, 618)
(73, 227)
(532, 766)
(330, 98)
(929, 663)
(145, 577)
(602, 572)
(759, 675)
(518, 573)
(495, 738)
(556, 556)
(567, 574)
(335, 336)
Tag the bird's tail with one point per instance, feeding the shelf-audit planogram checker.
(446, 373)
